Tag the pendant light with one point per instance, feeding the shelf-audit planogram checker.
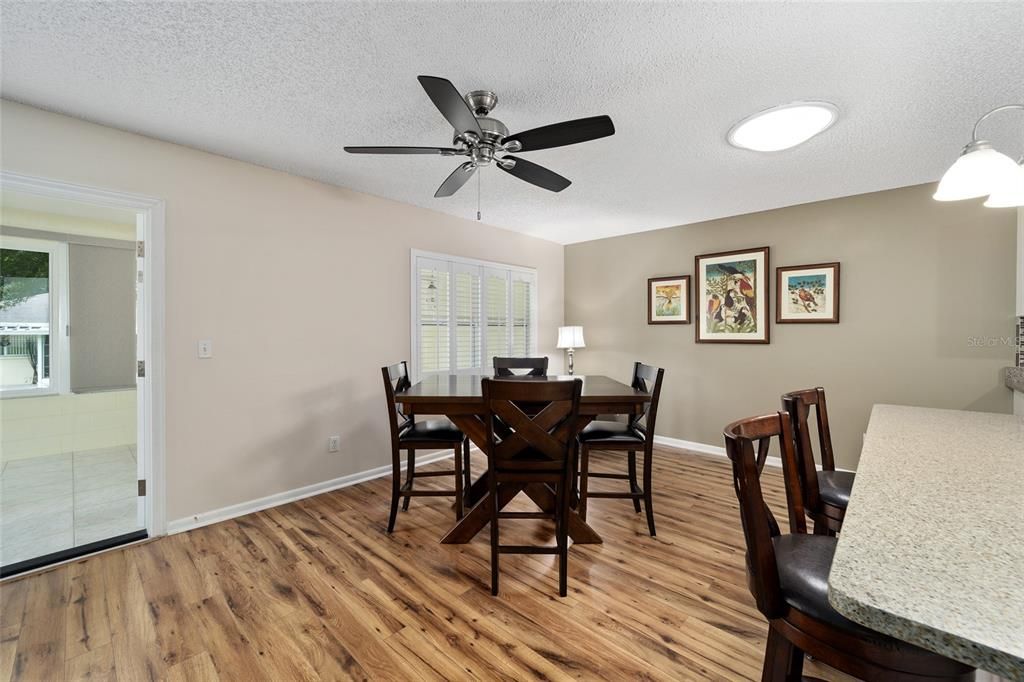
(1010, 193)
(981, 170)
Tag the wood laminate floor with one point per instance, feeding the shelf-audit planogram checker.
(316, 590)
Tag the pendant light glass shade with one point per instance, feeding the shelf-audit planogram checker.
(1010, 191)
(980, 170)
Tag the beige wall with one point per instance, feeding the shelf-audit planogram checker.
(303, 288)
(920, 279)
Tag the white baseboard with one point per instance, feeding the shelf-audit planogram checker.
(243, 508)
(716, 450)
(705, 449)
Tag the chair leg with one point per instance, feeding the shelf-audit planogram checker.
(396, 485)
(467, 475)
(459, 496)
(821, 527)
(783, 662)
(633, 487)
(562, 535)
(494, 539)
(410, 473)
(584, 466)
(648, 486)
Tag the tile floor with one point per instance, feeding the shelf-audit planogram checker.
(52, 503)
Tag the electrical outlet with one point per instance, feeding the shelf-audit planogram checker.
(333, 443)
(205, 349)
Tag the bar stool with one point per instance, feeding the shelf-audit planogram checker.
(788, 577)
(635, 434)
(826, 493)
(409, 435)
(538, 367)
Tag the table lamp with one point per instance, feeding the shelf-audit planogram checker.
(570, 338)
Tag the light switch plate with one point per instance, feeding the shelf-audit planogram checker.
(205, 349)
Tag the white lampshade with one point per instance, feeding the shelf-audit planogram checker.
(1010, 191)
(571, 337)
(980, 170)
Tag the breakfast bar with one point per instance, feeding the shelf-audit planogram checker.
(931, 549)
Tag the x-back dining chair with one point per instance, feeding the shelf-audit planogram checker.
(537, 448)
(788, 578)
(409, 435)
(536, 367)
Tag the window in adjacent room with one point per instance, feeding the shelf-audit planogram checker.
(32, 301)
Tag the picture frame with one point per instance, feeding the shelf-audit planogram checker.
(668, 300)
(807, 294)
(732, 295)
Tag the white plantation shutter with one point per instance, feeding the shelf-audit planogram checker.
(522, 314)
(468, 339)
(434, 314)
(466, 312)
(496, 312)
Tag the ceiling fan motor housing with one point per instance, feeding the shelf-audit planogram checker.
(493, 129)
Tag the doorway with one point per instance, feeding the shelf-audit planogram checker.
(80, 371)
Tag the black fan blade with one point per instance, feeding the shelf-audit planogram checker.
(451, 105)
(561, 134)
(443, 151)
(456, 180)
(536, 175)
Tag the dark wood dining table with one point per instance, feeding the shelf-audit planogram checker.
(459, 397)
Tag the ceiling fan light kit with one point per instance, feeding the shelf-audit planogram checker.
(980, 170)
(486, 140)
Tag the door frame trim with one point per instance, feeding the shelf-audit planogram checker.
(150, 390)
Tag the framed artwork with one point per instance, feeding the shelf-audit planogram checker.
(668, 300)
(732, 295)
(807, 293)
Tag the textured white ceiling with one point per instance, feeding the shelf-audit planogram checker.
(286, 85)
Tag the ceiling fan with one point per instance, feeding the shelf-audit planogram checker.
(485, 140)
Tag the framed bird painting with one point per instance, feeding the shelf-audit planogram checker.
(732, 295)
(807, 293)
(668, 300)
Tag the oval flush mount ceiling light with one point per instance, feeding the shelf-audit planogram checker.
(783, 127)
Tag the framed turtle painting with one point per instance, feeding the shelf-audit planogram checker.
(807, 293)
(668, 300)
(732, 295)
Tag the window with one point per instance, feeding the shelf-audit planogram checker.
(465, 312)
(32, 310)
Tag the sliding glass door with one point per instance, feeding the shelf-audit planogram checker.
(69, 464)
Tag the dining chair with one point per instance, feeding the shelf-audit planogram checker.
(409, 435)
(540, 448)
(538, 367)
(788, 578)
(826, 492)
(637, 433)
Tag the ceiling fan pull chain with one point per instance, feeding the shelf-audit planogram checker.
(478, 181)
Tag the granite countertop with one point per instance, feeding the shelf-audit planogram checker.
(932, 546)
(1015, 378)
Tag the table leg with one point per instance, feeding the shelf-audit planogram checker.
(479, 516)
